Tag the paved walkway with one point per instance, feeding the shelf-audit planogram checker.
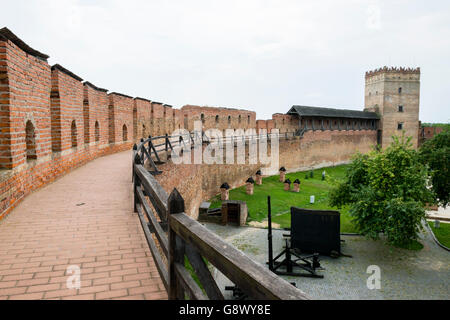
(84, 219)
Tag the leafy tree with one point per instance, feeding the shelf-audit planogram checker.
(386, 191)
(436, 154)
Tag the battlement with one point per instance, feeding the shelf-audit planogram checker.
(87, 83)
(385, 69)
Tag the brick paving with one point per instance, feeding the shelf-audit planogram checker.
(84, 219)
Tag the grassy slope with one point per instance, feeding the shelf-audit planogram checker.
(282, 200)
(442, 233)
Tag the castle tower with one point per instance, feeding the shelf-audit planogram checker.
(394, 94)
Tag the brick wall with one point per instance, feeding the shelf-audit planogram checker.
(285, 123)
(51, 122)
(219, 118)
(25, 98)
(142, 118)
(96, 115)
(426, 133)
(120, 118)
(157, 119)
(66, 111)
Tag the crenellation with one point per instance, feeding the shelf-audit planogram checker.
(392, 70)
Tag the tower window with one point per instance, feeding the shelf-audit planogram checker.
(400, 108)
(400, 126)
(202, 118)
(217, 118)
(400, 90)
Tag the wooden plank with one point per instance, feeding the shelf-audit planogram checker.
(160, 265)
(152, 147)
(175, 205)
(188, 283)
(158, 196)
(159, 232)
(204, 275)
(251, 277)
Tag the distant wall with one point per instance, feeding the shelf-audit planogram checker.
(200, 182)
(426, 133)
(218, 118)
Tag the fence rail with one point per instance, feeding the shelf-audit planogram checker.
(152, 149)
(172, 237)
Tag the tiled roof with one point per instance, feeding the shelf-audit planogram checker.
(305, 111)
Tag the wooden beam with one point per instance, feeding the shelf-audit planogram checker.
(160, 265)
(204, 275)
(159, 232)
(188, 283)
(157, 195)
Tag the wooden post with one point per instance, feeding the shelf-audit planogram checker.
(269, 236)
(136, 180)
(134, 155)
(176, 247)
(149, 145)
(167, 143)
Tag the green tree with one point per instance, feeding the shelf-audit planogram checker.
(386, 191)
(436, 154)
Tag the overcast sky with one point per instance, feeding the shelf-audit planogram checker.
(260, 55)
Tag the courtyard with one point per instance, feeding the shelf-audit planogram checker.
(405, 274)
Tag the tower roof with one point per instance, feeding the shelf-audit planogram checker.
(304, 111)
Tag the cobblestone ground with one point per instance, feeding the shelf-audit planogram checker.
(405, 274)
(84, 219)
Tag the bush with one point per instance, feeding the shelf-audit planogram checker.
(436, 154)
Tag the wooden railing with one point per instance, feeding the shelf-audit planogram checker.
(152, 149)
(173, 236)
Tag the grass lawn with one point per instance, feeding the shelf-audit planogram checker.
(442, 233)
(282, 200)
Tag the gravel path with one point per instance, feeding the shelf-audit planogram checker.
(405, 274)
